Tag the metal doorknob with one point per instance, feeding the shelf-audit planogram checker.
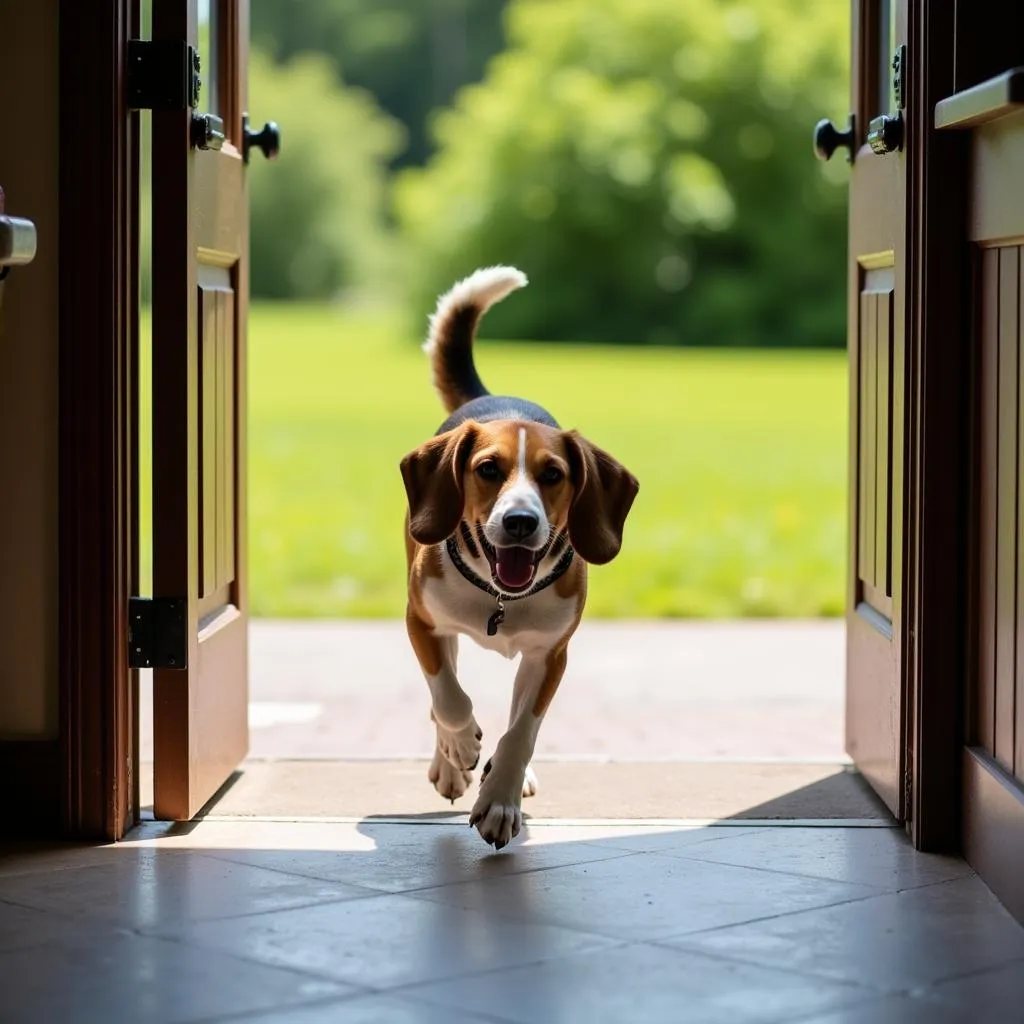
(828, 138)
(207, 131)
(885, 133)
(267, 139)
(17, 242)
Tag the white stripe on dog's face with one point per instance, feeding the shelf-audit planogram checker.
(521, 494)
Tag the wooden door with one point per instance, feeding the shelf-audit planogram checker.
(875, 704)
(990, 117)
(200, 298)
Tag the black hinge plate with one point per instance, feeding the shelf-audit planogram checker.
(156, 632)
(162, 74)
(899, 77)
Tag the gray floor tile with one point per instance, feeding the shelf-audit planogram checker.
(677, 839)
(880, 857)
(146, 887)
(903, 1010)
(894, 942)
(121, 977)
(994, 996)
(641, 984)
(415, 857)
(296, 923)
(372, 1009)
(645, 896)
(22, 927)
(19, 858)
(387, 940)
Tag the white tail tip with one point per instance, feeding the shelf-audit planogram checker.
(482, 289)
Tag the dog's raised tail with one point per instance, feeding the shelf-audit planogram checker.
(453, 329)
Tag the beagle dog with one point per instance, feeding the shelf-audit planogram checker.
(505, 512)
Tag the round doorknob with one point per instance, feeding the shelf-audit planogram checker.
(267, 139)
(828, 138)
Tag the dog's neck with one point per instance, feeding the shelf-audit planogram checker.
(466, 550)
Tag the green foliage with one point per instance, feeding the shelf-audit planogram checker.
(648, 164)
(317, 212)
(413, 55)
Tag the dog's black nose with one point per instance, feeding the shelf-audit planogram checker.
(519, 525)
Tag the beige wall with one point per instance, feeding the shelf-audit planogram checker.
(28, 376)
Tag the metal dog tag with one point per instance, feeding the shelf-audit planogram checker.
(496, 619)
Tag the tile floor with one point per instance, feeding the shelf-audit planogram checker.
(416, 923)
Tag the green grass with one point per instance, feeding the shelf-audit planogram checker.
(741, 458)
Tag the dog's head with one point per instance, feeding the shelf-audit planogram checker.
(521, 482)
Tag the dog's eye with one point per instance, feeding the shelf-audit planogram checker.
(551, 475)
(488, 471)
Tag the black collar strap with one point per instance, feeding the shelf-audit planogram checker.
(560, 569)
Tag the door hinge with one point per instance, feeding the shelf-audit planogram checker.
(899, 77)
(157, 635)
(162, 74)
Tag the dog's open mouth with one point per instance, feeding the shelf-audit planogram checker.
(513, 569)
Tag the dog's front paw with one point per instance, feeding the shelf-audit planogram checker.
(449, 781)
(530, 784)
(496, 813)
(461, 747)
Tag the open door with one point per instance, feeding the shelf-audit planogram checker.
(200, 299)
(986, 116)
(875, 704)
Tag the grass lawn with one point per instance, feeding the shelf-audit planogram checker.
(741, 458)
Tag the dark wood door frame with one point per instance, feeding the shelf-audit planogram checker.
(938, 436)
(97, 436)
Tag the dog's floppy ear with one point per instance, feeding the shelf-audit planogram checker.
(433, 484)
(605, 490)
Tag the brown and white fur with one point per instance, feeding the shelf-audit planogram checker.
(525, 489)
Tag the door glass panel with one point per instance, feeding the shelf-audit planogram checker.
(209, 22)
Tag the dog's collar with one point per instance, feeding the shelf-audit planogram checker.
(560, 569)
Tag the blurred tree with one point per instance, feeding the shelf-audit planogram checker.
(648, 163)
(413, 55)
(317, 212)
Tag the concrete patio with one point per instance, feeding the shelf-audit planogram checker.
(638, 691)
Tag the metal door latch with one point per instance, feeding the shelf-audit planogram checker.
(207, 131)
(885, 133)
(17, 241)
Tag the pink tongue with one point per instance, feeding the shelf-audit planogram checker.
(514, 566)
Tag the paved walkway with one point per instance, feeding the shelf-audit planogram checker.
(655, 691)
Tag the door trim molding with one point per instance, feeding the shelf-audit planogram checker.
(993, 823)
(938, 438)
(98, 216)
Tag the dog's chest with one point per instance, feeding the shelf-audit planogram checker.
(456, 606)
